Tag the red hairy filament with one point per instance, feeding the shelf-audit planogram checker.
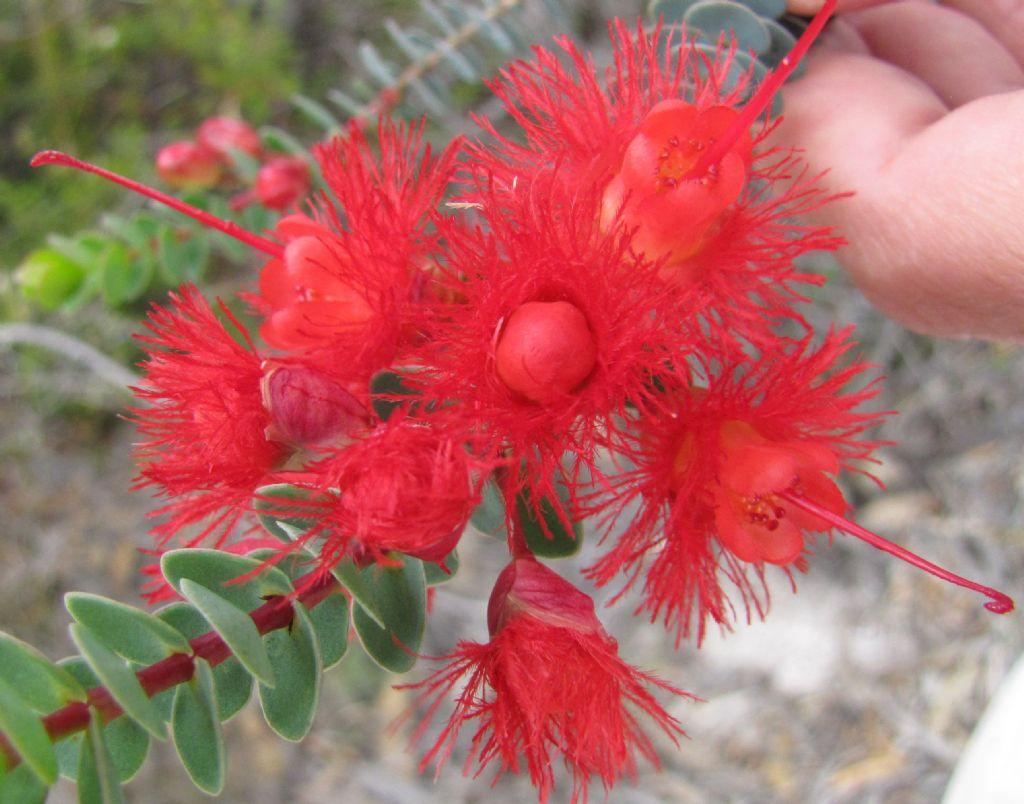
(999, 603)
(764, 94)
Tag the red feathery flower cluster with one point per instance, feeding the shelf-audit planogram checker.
(593, 324)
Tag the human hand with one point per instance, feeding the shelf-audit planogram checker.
(919, 109)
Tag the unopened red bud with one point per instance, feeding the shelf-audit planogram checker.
(222, 135)
(188, 166)
(308, 408)
(282, 182)
(545, 350)
(527, 587)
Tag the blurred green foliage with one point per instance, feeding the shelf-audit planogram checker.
(113, 80)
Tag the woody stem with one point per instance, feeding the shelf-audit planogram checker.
(178, 668)
(757, 104)
(268, 247)
(999, 603)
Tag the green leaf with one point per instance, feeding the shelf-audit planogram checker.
(183, 255)
(97, 776)
(49, 278)
(772, 9)
(232, 682)
(489, 516)
(219, 572)
(715, 17)
(41, 685)
(276, 498)
(330, 617)
(388, 392)
(400, 597)
(277, 139)
(561, 542)
(436, 575)
(119, 679)
(235, 627)
(125, 275)
(136, 635)
(25, 730)
(126, 740)
(331, 620)
(359, 585)
(195, 727)
(317, 114)
(21, 786)
(290, 705)
(671, 11)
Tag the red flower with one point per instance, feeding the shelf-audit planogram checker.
(188, 166)
(204, 425)
(642, 138)
(222, 135)
(549, 682)
(400, 487)
(714, 466)
(552, 330)
(350, 278)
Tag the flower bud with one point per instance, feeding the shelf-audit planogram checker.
(222, 135)
(308, 408)
(528, 587)
(545, 350)
(187, 165)
(282, 182)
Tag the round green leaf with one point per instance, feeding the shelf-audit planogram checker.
(195, 728)
(235, 627)
(130, 632)
(119, 679)
(331, 620)
(782, 42)
(25, 730)
(716, 17)
(772, 9)
(289, 706)
(442, 571)
(183, 255)
(41, 685)
(126, 740)
(49, 278)
(272, 503)
(330, 617)
(21, 786)
(232, 682)
(97, 776)
(489, 515)
(548, 536)
(360, 586)
(126, 275)
(400, 595)
(220, 572)
(670, 11)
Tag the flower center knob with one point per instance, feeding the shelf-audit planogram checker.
(545, 350)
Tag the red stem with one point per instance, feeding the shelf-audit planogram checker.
(763, 96)
(517, 546)
(268, 247)
(178, 668)
(999, 603)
